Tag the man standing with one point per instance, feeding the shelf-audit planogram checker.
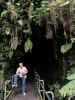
(21, 73)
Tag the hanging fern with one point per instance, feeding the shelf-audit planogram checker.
(28, 45)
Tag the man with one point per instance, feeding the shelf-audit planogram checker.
(21, 73)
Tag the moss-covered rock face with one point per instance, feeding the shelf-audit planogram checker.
(3, 65)
(72, 13)
(14, 20)
(15, 25)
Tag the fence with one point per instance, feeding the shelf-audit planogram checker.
(40, 88)
(71, 98)
(44, 95)
(1, 90)
(7, 91)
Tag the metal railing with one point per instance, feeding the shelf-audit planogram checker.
(40, 87)
(1, 90)
(71, 98)
(6, 91)
(44, 95)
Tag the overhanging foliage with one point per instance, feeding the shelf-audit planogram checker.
(40, 11)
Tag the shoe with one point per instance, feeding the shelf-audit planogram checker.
(24, 93)
(14, 86)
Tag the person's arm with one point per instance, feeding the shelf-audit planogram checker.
(26, 70)
(17, 72)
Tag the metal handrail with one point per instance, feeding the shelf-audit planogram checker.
(41, 85)
(47, 94)
(6, 92)
(41, 89)
(1, 89)
(69, 98)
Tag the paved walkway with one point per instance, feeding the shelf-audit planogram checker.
(28, 96)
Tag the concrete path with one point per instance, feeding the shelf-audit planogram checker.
(28, 96)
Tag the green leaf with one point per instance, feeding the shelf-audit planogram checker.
(66, 47)
(4, 13)
(71, 77)
(68, 89)
(18, 4)
(28, 45)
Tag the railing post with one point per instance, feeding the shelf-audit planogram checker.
(52, 94)
(41, 84)
(5, 91)
(69, 98)
(41, 89)
(43, 94)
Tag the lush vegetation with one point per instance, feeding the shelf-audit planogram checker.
(63, 89)
(39, 10)
(15, 18)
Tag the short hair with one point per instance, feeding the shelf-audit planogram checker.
(20, 62)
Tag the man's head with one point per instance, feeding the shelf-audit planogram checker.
(20, 64)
